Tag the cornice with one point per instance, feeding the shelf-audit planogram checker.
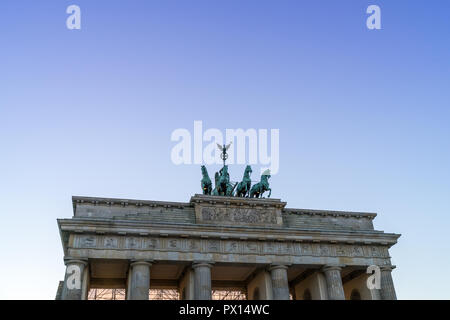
(331, 213)
(140, 228)
(205, 199)
(125, 202)
(237, 201)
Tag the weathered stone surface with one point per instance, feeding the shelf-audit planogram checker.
(238, 216)
(387, 291)
(238, 211)
(74, 281)
(60, 290)
(334, 282)
(331, 220)
(140, 280)
(227, 246)
(280, 286)
(227, 231)
(202, 280)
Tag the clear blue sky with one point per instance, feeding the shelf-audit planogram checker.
(363, 115)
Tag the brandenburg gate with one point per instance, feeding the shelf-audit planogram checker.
(217, 241)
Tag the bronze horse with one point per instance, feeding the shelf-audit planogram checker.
(243, 188)
(258, 189)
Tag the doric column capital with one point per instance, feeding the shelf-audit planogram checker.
(70, 260)
(331, 267)
(275, 266)
(141, 262)
(197, 264)
(387, 268)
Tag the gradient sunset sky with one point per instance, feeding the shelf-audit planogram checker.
(363, 116)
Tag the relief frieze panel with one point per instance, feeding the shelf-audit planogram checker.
(227, 246)
(238, 215)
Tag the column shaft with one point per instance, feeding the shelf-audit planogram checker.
(202, 280)
(387, 291)
(333, 277)
(280, 285)
(73, 279)
(140, 280)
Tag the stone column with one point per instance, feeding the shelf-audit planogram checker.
(375, 294)
(280, 285)
(387, 291)
(333, 277)
(74, 279)
(187, 285)
(202, 280)
(139, 280)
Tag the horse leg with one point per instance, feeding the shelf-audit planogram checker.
(261, 191)
(270, 192)
(239, 191)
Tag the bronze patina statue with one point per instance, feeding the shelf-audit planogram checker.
(224, 154)
(243, 188)
(223, 185)
(206, 182)
(258, 189)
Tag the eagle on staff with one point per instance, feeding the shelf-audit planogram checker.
(224, 154)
